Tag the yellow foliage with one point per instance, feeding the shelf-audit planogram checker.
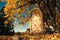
(6, 22)
(11, 8)
(22, 2)
(6, 16)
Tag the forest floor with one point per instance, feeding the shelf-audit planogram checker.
(55, 36)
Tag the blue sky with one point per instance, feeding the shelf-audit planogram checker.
(18, 27)
(2, 4)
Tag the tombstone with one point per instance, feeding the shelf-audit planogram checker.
(36, 21)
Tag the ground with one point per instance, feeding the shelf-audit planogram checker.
(55, 36)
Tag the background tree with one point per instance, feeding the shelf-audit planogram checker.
(5, 29)
(49, 13)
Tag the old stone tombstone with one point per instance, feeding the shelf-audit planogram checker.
(36, 21)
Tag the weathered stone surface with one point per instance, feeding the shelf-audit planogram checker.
(36, 21)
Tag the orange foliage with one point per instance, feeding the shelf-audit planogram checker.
(11, 8)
